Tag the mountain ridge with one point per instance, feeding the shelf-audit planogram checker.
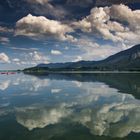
(125, 60)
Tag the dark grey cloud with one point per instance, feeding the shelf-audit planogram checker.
(109, 2)
(82, 3)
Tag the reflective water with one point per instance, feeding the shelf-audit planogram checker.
(70, 107)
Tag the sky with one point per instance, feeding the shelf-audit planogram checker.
(50, 31)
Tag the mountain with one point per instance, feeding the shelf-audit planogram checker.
(125, 60)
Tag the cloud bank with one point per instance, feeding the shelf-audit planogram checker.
(117, 23)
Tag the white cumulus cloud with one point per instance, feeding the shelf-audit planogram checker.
(42, 27)
(117, 23)
(4, 58)
(56, 52)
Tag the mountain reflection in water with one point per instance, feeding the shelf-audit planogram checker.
(70, 106)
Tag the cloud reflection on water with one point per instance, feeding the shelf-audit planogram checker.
(101, 109)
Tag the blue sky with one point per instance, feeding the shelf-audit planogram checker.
(44, 31)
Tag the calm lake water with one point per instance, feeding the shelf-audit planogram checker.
(70, 107)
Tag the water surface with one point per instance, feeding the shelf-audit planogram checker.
(70, 107)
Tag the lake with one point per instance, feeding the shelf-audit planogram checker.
(70, 106)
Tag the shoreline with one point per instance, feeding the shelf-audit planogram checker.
(80, 72)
